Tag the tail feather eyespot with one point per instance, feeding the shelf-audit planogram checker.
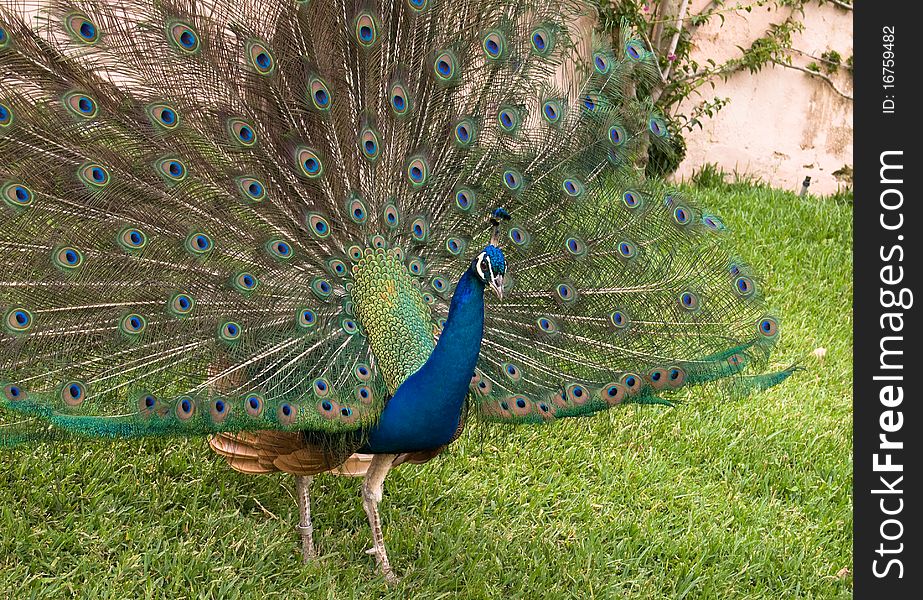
(229, 331)
(466, 132)
(349, 325)
(132, 324)
(658, 378)
(309, 162)
(494, 45)
(13, 392)
(181, 305)
(357, 210)
(364, 394)
(318, 225)
(520, 405)
(183, 37)
(219, 409)
(400, 98)
(613, 393)
(631, 382)
(287, 414)
(280, 249)
(619, 319)
(185, 408)
(306, 319)
(81, 105)
(511, 372)
(132, 239)
(328, 409)
(768, 327)
(689, 301)
(744, 287)
(552, 111)
(547, 325)
(68, 258)
(17, 195)
(172, 169)
(676, 376)
(321, 288)
(241, 132)
(418, 171)
(575, 246)
(566, 292)
(369, 144)
(260, 58)
(94, 175)
(573, 187)
(602, 62)
(148, 405)
(366, 30)
(251, 189)
(542, 40)
(253, 405)
(18, 320)
(419, 229)
(445, 66)
(657, 126)
(163, 116)
(509, 118)
(577, 393)
(319, 94)
(636, 51)
(465, 199)
(199, 243)
(363, 372)
(73, 393)
(6, 113)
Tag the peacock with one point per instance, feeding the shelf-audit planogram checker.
(327, 234)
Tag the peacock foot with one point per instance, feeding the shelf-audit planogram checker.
(386, 571)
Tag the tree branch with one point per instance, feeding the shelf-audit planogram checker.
(675, 41)
(728, 67)
(814, 74)
(842, 5)
(817, 58)
(707, 13)
(708, 10)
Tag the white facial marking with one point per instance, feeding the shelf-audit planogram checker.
(481, 257)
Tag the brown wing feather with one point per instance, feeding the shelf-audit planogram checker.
(254, 452)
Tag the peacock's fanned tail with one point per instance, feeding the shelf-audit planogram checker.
(225, 216)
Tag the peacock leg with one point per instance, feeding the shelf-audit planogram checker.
(372, 488)
(303, 494)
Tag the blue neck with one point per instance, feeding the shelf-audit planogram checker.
(456, 353)
(425, 410)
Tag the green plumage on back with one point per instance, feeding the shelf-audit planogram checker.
(394, 315)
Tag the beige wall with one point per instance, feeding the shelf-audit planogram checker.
(781, 124)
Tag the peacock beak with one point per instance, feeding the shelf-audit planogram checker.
(496, 284)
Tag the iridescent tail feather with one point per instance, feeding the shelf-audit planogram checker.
(195, 198)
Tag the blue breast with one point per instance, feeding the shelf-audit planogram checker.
(424, 412)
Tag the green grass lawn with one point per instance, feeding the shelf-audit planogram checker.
(713, 499)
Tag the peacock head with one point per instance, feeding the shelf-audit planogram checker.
(490, 266)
